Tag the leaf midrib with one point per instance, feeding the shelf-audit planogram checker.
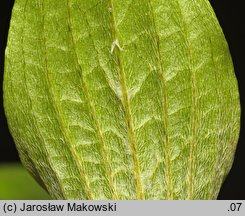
(126, 105)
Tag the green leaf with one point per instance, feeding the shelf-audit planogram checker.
(122, 99)
(17, 184)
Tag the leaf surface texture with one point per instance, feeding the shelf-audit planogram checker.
(122, 99)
